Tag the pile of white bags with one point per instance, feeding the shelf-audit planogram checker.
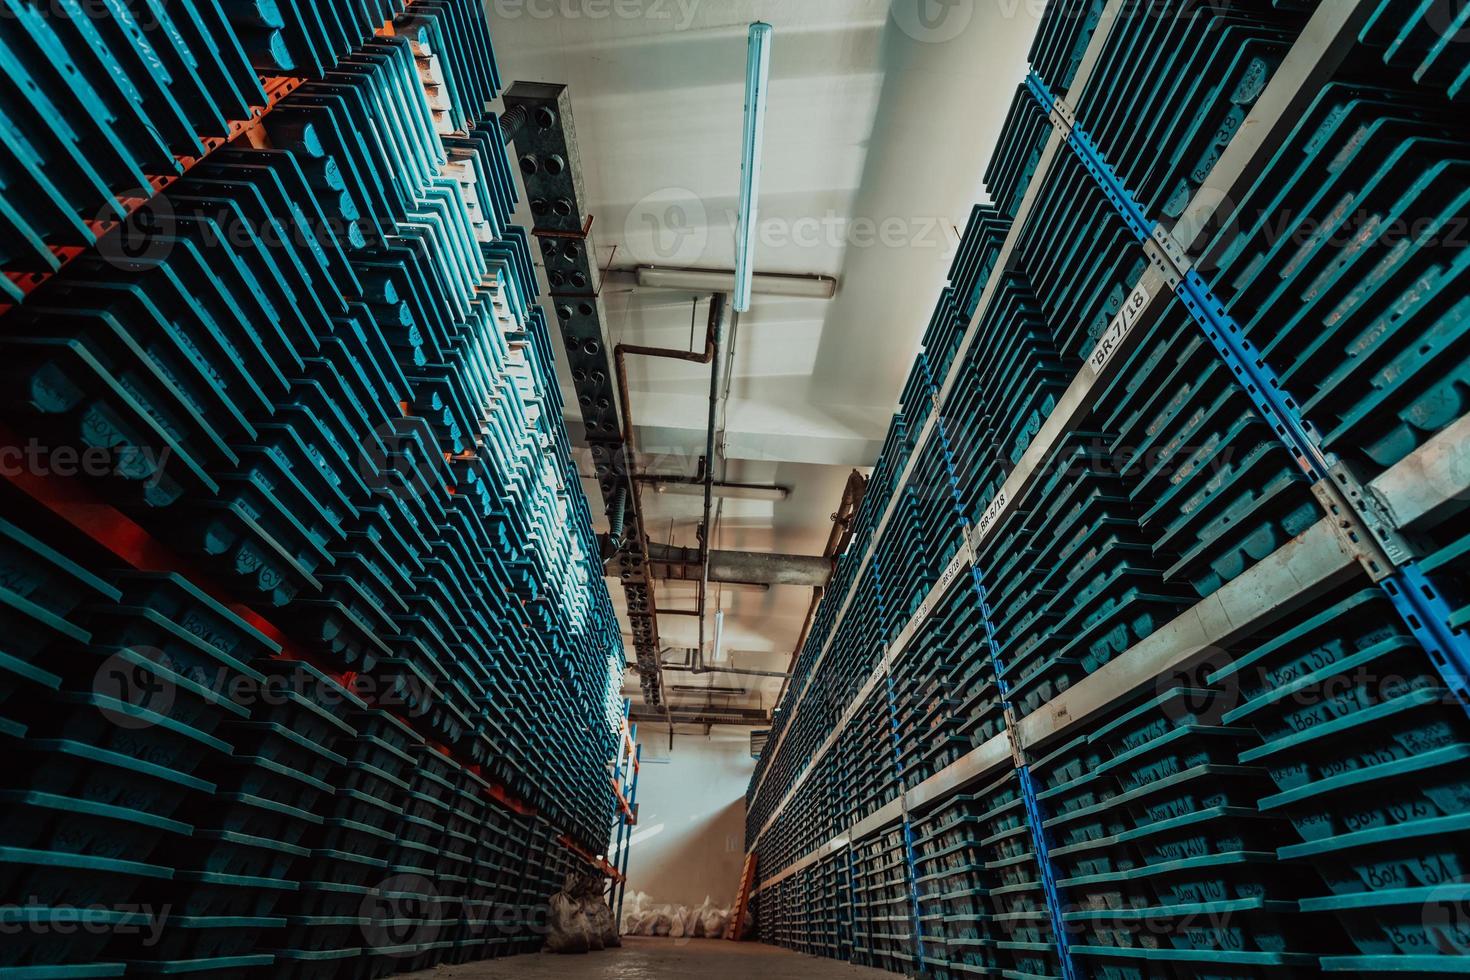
(712, 921)
(634, 906)
(642, 917)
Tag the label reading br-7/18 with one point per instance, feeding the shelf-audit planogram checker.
(1112, 338)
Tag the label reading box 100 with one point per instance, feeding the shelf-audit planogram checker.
(1112, 337)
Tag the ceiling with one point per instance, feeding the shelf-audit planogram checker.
(879, 125)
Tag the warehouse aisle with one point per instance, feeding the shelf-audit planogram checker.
(657, 959)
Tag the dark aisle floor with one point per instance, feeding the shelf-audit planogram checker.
(663, 959)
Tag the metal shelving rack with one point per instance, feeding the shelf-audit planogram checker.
(498, 760)
(93, 516)
(1363, 529)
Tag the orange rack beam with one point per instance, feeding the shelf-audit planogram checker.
(600, 863)
(623, 803)
(629, 750)
(252, 130)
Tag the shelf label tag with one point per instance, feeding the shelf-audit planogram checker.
(960, 560)
(989, 517)
(1117, 331)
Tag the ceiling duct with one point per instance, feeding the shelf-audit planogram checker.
(550, 163)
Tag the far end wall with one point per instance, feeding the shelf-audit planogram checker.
(690, 838)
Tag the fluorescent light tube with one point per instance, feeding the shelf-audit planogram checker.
(723, 281)
(757, 79)
(727, 491)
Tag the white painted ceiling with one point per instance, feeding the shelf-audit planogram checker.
(879, 126)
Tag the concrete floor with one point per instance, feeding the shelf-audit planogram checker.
(662, 959)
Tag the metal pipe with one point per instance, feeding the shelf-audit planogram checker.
(742, 672)
(511, 121)
(798, 286)
(723, 488)
(688, 663)
(748, 567)
(622, 352)
(691, 665)
(717, 307)
(746, 673)
(724, 716)
(852, 498)
(686, 668)
(630, 445)
(672, 573)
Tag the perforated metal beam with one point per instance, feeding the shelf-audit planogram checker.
(547, 153)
